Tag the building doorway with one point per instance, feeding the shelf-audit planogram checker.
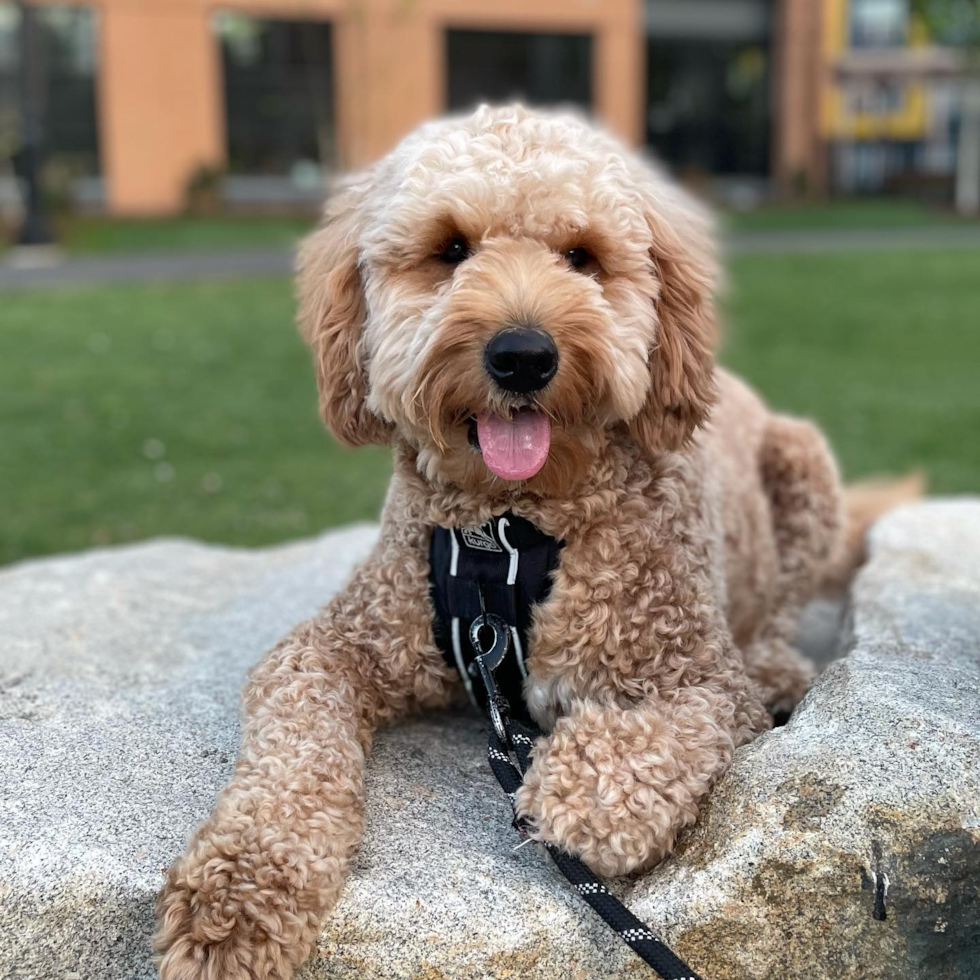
(708, 85)
(278, 86)
(504, 66)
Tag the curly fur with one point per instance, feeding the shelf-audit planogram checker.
(696, 523)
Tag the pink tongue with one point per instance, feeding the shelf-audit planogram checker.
(514, 449)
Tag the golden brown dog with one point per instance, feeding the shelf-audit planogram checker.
(524, 311)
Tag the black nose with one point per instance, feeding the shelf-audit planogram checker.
(521, 360)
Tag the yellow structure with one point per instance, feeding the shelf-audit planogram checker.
(841, 120)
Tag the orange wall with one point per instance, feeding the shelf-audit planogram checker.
(160, 114)
(800, 77)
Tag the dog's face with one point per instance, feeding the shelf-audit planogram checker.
(503, 289)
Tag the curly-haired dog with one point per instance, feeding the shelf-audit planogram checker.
(523, 310)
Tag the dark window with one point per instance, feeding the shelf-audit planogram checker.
(708, 105)
(278, 89)
(67, 67)
(500, 66)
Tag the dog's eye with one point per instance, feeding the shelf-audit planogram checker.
(456, 250)
(579, 258)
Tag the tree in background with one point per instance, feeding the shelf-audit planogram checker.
(957, 23)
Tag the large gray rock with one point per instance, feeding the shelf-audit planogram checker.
(844, 845)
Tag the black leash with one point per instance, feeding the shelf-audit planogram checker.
(509, 750)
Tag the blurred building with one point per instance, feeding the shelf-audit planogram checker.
(150, 102)
(892, 107)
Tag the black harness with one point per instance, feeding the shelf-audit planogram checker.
(485, 582)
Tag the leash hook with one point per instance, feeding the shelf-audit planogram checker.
(489, 658)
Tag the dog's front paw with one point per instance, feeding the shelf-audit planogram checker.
(200, 936)
(215, 922)
(614, 787)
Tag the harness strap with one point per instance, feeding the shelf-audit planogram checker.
(636, 934)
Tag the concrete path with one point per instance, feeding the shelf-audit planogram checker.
(150, 267)
(871, 239)
(188, 266)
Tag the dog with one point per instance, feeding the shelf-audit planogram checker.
(523, 310)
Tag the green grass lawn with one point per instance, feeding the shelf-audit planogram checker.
(883, 349)
(132, 411)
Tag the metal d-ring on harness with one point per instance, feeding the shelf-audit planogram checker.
(508, 751)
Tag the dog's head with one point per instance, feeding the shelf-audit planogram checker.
(503, 289)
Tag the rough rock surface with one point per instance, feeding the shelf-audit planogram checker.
(846, 844)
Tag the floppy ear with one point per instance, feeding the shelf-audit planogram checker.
(331, 318)
(681, 360)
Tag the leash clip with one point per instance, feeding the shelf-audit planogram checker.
(494, 650)
(488, 660)
(497, 705)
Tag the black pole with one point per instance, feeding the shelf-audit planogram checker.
(35, 229)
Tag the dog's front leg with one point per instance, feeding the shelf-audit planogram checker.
(634, 653)
(246, 899)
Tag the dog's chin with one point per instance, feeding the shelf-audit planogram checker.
(484, 457)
